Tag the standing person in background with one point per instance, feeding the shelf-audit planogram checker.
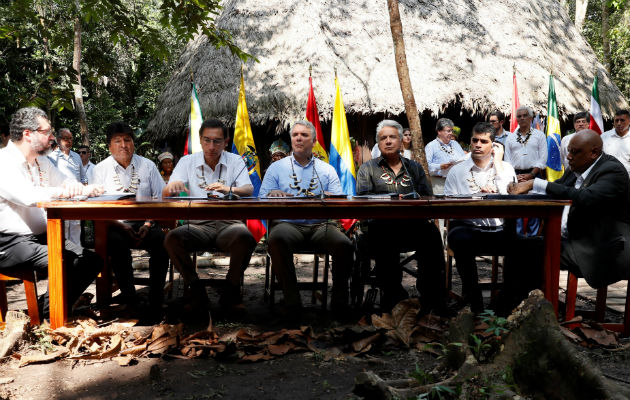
(442, 153)
(69, 163)
(580, 122)
(4, 136)
(617, 140)
(497, 119)
(86, 164)
(166, 165)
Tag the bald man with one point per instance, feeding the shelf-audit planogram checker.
(596, 227)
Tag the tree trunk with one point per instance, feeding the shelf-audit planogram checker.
(46, 62)
(78, 88)
(565, 4)
(405, 85)
(580, 13)
(605, 38)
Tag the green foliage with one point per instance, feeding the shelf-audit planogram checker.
(439, 392)
(421, 376)
(496, 325)
(478, 346)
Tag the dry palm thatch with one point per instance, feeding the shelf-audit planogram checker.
(458, 51)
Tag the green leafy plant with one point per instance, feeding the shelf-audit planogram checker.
(496, 325)
(438, 392)
(478, 347)
(421, 376)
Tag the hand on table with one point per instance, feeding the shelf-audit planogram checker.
(279, 193)
(174, 188)
(520, 187)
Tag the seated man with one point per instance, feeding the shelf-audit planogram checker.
(388, 238)
(596, 227)
(213, 171)
(30, 177)
(483, 172)
(125, 171)
(301, 174)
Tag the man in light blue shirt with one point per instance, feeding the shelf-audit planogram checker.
(301, 175)
(69, 163)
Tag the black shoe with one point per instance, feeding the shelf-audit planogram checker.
(230, 296)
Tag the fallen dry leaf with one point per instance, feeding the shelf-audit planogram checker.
(256, 357)
(43, 358)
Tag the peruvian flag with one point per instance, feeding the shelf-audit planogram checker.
(515, 104)
(597, 122)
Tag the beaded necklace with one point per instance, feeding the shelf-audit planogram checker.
(446, 149)
(202, 177)
(391, 180)
(475, 187)
(296, 182)
(39, 173)
(133, 183)
(519, 138)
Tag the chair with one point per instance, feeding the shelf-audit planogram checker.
(600, 306)
(271, 283)
(30, 288)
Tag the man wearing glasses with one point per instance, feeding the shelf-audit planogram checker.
(69, 163)
(210, 172)
(30, 177)
(86, 165)
(497, 119)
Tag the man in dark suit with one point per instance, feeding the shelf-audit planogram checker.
(596, 227)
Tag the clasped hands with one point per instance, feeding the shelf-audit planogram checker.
(176, 187)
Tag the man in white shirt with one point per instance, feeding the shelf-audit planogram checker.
(483, 172)
(497, 119)
(526, 151)
(213, 172)
(30, 177)
(69, 163)
(617, 140)
(86, 164)
(580, 122)
(126, 172)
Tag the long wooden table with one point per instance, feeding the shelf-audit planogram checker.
(58, 211)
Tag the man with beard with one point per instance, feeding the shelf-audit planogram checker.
(30, 177)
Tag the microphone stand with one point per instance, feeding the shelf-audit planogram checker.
(231, 195)
(413, 194)
(321, 187)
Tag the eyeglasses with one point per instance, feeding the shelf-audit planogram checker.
(83, 152)
(43, 132)
(213, 141)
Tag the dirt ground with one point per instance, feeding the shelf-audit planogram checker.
(296, 376)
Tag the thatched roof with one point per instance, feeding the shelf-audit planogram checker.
(457, 50)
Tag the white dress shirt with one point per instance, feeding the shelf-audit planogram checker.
(150, 185)
(87, 171)
(618, 146)
(69, 164)
(193, 171)
(466, 178)
(532, 154)
(22, 186)
(564, 150)
(439, 153)
(540, 186)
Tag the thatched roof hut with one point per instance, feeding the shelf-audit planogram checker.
(459, 52)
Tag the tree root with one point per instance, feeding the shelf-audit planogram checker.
(535, 360)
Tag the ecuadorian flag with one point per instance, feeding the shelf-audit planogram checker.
(340, 149)
(244, 146)
(555, 169)
(193, 144)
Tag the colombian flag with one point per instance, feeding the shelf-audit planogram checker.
(341, 151)
(554, 161)
(244, 146)
(312, 116)
(193, 145)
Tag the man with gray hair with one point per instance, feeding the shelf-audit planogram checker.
(69, 163)
(526, 151)
(302, 175)
(30, 177)
(388, 238)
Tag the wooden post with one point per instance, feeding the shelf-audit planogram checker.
(56, 274)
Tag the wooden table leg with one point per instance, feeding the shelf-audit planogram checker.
(552, 259)
(103, 280)
(56, 274)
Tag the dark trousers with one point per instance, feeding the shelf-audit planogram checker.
(286, 238)
(388, 238)
(31, 252)
(468, 241)
(119, 246)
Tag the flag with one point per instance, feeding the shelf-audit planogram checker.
(341, 157)
(193, 145)
(597, 122)
(515, 104)
(312, 115)
(243, 145)
(554, 161)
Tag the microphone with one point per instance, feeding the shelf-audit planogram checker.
(321, 187)
(230, 195)
(413, 194)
